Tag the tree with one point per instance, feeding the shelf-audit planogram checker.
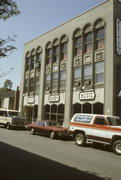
(8, 8)
(7, 86)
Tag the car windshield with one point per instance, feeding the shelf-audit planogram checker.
(114, 121)
(13, 113)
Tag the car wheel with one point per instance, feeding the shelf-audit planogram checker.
(32, 131)
(117, 147)
(8, 125)
(80, 139)
(52, 134)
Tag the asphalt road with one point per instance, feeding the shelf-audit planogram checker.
(34, 157)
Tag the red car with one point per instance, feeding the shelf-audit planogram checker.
(50, 128)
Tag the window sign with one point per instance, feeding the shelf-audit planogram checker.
(54, 98)
(118, 36)
(83, 118)
(30, 100)
(86, 95)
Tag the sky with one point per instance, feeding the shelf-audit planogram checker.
(36, 18)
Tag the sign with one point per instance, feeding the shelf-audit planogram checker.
(86, 95)
(30, 100)
(54, 98)
(118, 36)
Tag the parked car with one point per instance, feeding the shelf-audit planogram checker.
(51, 128)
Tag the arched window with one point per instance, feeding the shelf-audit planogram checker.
(77, 108)
(77, 43)
(33, 59)
(47, 112)
(98, 108)
(49, 53)
(64, 46)
(88, 39)
(99, 27)
(56, 51)
(87, 108)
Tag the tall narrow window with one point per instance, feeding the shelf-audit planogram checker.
(100, 38)
(99, 72)
(88, 72)
(88, 42)
(48, 56)
(32, 61)
(77, 76)
(55, 80)
(47, 81)
(56, 54)
(27, 63)
(31, 88)
(64, 51)
(77, 46)
(62, 79)
(37, 83)
(26, 85)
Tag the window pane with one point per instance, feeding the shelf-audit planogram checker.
(88, 37)
(55, 76)
(99, 78)
(48, 77)
(99, 67)
(100, 33)
(77, 73)
(99, 70)
(63, 75)
(78, 41)
(88, 71)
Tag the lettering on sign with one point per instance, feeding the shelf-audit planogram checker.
(30, 100)
(54, 98)
(118, 36)
(86, 95)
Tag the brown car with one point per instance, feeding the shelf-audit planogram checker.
(50, 128)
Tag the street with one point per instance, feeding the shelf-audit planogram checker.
(34, 157)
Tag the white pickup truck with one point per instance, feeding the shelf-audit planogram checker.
(11, 118)
(105, 129)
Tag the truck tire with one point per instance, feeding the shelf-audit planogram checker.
(117, 147)
(80, 139)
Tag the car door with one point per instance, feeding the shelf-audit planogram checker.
(99, 130)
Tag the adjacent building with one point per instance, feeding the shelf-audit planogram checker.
(10, 99)
(75, 67)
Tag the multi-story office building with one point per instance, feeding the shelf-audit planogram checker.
(75, 67)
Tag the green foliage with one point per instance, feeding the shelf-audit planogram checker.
(8, 8)
(7, 86)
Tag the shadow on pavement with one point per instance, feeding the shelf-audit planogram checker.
(17, 164)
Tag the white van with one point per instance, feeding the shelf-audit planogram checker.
(11, 118)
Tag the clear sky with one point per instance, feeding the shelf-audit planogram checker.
(36, 18)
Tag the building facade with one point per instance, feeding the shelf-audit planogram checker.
(10, 99)
(75, 67)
